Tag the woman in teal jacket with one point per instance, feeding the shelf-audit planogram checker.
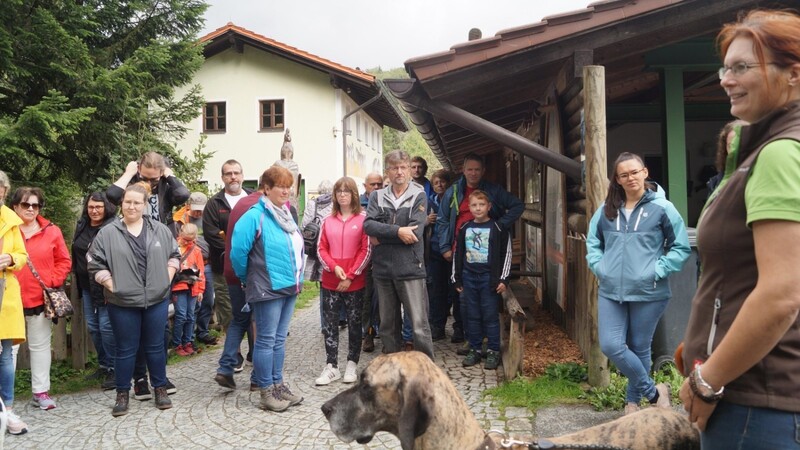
(636, 240)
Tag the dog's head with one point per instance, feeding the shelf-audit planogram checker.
(391, 396)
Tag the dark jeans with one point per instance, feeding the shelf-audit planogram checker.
(240, 324)
(333, 301)
(370, 315)
(441, 293)
(135, 327)
(205, 308)
(140, 368)
(183, 320)
(99, 326)
(481, 307)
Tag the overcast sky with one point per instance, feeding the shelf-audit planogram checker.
(369, 33)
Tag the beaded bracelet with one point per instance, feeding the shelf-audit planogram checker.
(696, 378)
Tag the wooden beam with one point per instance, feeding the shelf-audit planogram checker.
(594, 100)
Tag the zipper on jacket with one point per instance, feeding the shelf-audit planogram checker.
(714, 322)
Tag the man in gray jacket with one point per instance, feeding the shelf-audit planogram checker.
(396, 217)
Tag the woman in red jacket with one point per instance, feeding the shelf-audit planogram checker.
(344, 252)
(48, 254)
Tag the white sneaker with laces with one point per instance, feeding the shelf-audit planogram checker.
(350, 375)
(329, 373)
(15, 425)
(43, 401)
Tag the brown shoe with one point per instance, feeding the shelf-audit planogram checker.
(271, 400)
(368, 343)
(162, 398)
(121, 406)
(408, 346)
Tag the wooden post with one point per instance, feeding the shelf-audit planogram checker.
(596, 181)
(80, 336)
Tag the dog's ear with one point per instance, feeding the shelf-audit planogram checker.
(414, 415)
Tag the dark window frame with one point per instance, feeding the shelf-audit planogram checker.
(273, 126)
(215, 118)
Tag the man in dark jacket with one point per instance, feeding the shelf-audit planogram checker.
(454, 211)
(215, 223)
(396, 217)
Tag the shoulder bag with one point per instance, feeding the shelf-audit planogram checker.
(56, 300)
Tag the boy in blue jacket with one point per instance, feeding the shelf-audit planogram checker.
(481, 264)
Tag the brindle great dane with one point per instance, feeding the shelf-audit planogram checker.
(407, 395)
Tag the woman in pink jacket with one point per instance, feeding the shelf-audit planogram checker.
(344, 252)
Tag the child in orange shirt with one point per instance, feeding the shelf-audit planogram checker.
(187, 290)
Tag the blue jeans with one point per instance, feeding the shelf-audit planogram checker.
(100, 331)
(183, 320)
(240, 323)
(734, 426)
(205, 308)
(406, 333)
(480, 303)
(7, 373)
(135, 326)
(272, 319)
(626, 333)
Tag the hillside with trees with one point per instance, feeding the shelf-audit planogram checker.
(410, 141)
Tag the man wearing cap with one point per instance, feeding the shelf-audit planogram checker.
(215, 222)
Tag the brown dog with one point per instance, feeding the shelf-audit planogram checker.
(407, 395)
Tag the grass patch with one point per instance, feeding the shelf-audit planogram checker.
(310, 292)
(560, 384)
(613, 396)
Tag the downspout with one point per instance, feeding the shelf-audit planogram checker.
(344, 128)
(407, 92)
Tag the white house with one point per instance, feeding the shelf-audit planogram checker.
(255, 88)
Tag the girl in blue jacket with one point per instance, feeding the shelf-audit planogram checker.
(636, 240)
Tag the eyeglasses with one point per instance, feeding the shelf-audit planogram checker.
(231, 174)
(739, 68)
(632, 173)
(129, 203)
(341, 192)
(377, 184)
(95, 208)
(26, 205)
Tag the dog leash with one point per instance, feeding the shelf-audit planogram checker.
(544, 444)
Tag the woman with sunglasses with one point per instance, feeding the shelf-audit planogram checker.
(742, 344)
(636, 240)
(48, 254)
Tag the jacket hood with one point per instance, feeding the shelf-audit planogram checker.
(324, 200)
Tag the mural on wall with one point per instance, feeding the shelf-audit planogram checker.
(361, 159)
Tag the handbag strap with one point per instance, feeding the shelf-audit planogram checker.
(36, 274)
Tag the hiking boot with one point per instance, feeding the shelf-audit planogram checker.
(350, 375)
(492, 360)
(239, 363)
(171, 389)
(286, 394)
(14, 424)
(110, 381)
(141, 390)
(271, 400)
(464, 349)
(329, 373)
(472, 358)
(631, 408)
(225, 381)
(458, 336)
(437, 334)
(664, 396)
(368, 344)
(189, 349)
(43, 401)
(208, 340)
(162, 398)
(121, 405)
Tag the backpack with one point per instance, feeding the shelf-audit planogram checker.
(311, 233)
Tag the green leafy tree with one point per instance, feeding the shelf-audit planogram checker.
(88, 85)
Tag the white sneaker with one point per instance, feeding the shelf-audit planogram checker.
(329, 373)
(15, 424)
(350, 375)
